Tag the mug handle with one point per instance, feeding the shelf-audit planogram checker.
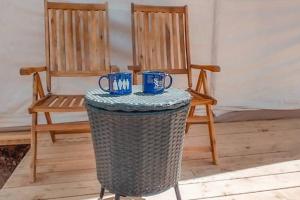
(171, 81)
(105, 90)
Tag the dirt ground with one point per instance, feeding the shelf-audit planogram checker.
(10, 157)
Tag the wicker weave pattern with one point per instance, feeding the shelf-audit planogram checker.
(172, 98)
(138, 153)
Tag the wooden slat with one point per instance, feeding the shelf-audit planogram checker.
(101, 40)
(141, 41)
(106, 35)
(77, 101)
(168, 41)
(175, 40)
(146, 39)
(53, 40)
(78, 35)
(14, 138)
(76, 6)
(77, 73)
(68, 101)
(83, 126)
(69, 40)
(59, 101)
(61, 54)
(47, 23)
(152, 35)
(86, 41)
(49, 100)
(197, 119)
(182, 41)
(163, 9)
(162, 41)
(157, 32)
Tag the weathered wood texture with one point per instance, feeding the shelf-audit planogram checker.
(258, 160)
(159, 38)
(78, 39)
(160, 41)
(76, 44)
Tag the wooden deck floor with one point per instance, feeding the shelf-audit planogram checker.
(258, 160)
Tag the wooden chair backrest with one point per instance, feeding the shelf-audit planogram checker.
(160, 38)
(77, 42)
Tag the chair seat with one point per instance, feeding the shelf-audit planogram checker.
(59, 103)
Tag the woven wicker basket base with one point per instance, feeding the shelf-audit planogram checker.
(138, 153)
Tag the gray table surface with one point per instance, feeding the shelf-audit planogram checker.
(172, 98)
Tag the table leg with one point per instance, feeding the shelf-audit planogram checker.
(178, 196)
(102, 193)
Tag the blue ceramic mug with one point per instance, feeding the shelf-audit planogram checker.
(119, 83)
(154, 82)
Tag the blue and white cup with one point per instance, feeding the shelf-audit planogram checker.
(154, 82)
(119, 83)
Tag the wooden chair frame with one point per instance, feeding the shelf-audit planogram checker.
(47, 103)
(200, 94)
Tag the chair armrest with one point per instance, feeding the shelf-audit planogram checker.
(212, 68)
(205, 96)
(31, 70)
(115, 68)
(135, 68)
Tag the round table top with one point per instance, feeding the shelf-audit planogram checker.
(172, 98)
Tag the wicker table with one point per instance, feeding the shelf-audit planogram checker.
(138, 140)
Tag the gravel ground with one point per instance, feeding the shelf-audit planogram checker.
(10, 157)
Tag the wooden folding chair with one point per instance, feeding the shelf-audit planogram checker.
(160, 36)
(77, 45)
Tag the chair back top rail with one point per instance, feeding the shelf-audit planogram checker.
(77, 39)
(160, 38)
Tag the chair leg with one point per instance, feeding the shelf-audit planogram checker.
(102, 193)
(117, 197)
(49, 121)
(191, 113)
(33, 147)
(178, 196)
(212, 134)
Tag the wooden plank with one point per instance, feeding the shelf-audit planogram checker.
(156, 33)
(59, 101)
(14, 129)
(197, 119)
(106, 39)
(252, 166)
(240, 186)
(162, 38)
(14, 138)
(182, 41)
(141, 40)
(278, 194)
(168, 41)
(69, 41)
(63, 126)
(78, 41)
(78, 73)
(77, 101)
(53, 40)
(86, 41)
(101, 40)
(146, 40)
(163, 9)
(175, 40)
(61, 53)
(75, 6)
(68, 101)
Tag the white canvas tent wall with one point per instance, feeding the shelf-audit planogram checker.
(257, 44)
